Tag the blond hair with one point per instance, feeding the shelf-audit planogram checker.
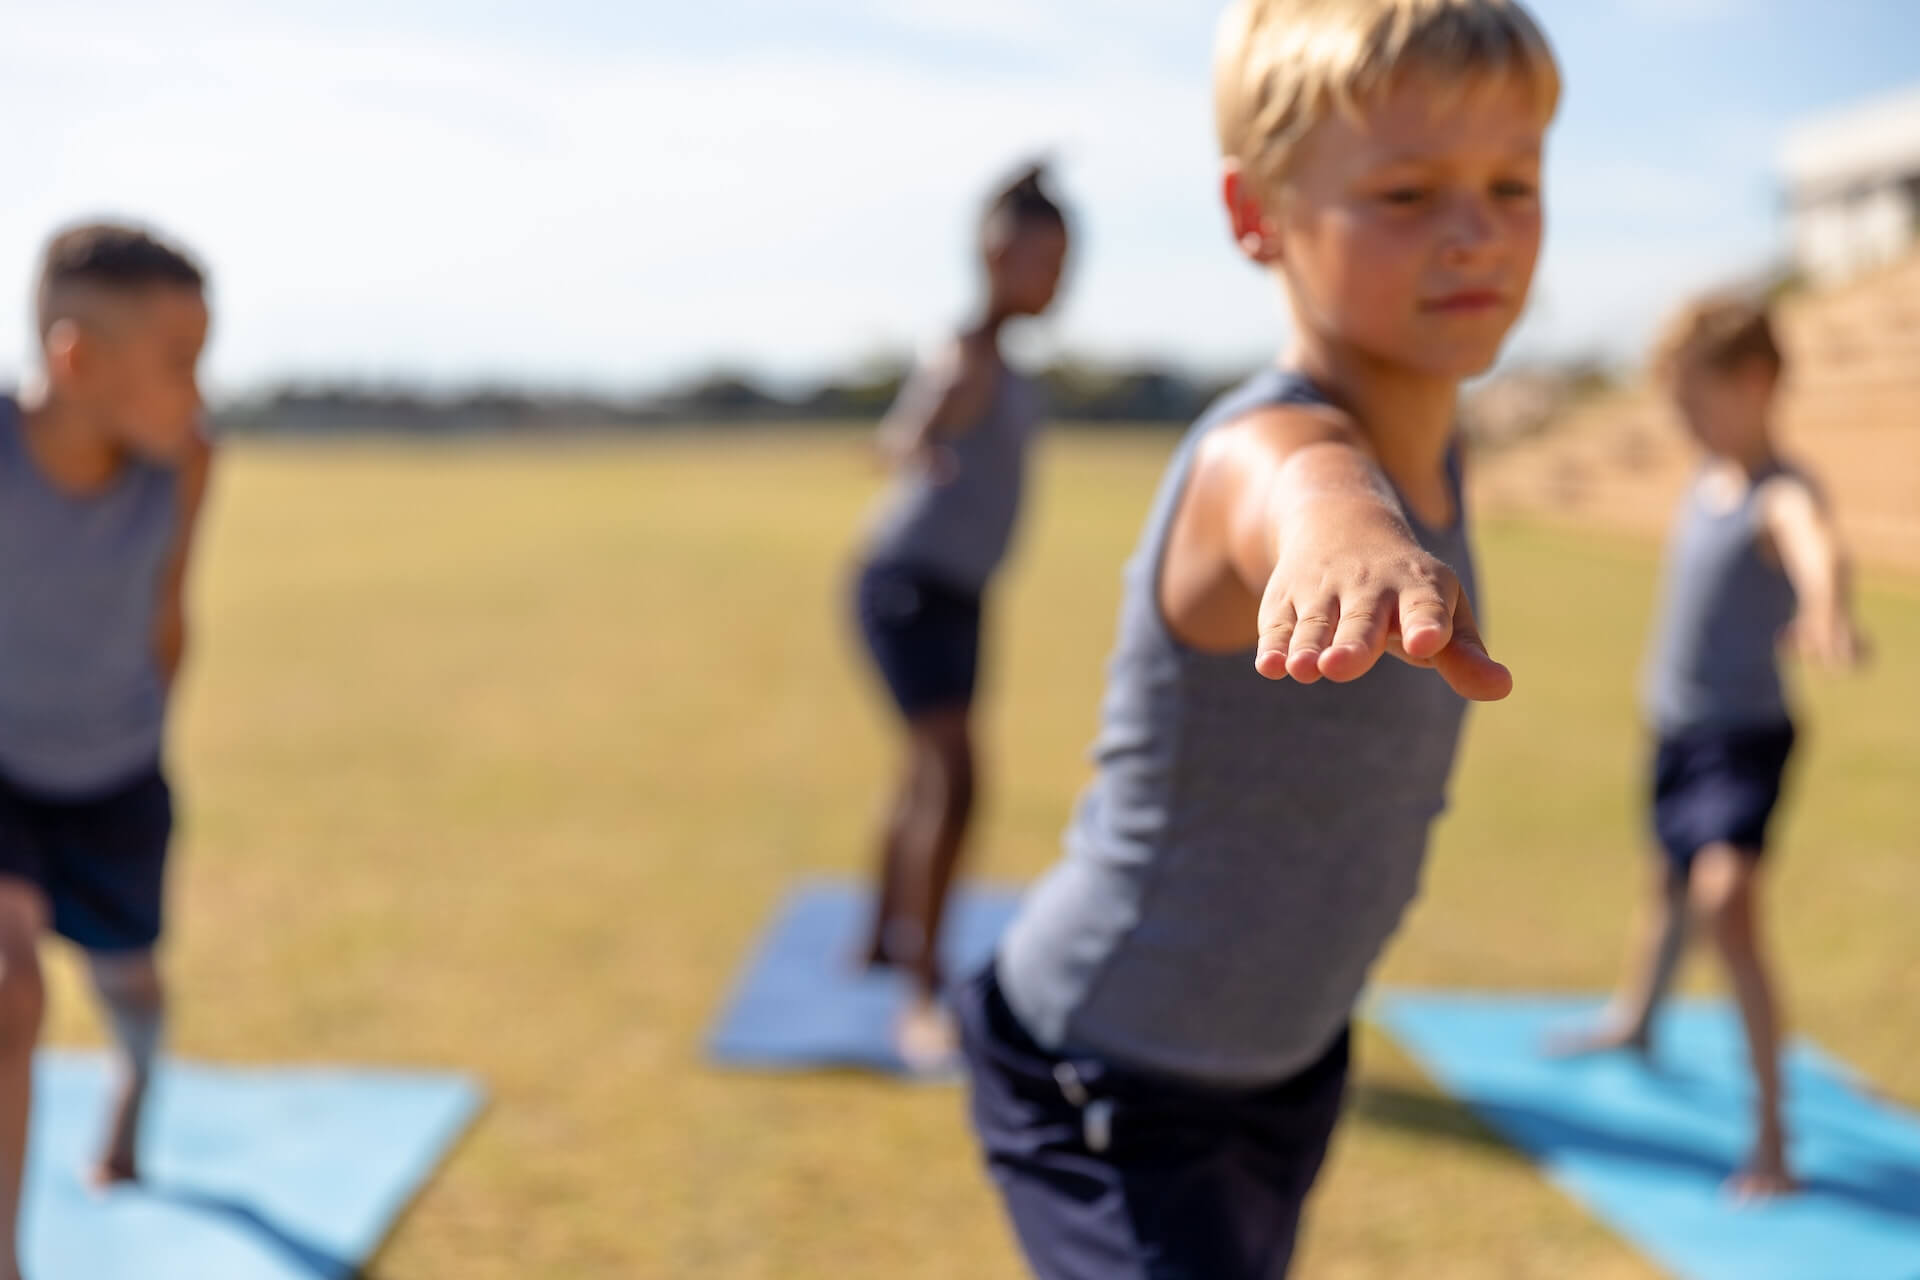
(1720, 333)
(1281, 66)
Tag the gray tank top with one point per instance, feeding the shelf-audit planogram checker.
(957, 528)
(82, 704)
(1714, 662)
(1246, 847)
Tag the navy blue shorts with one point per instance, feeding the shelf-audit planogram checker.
(99, 859)
(924, 636)
(1110, 1175)
(1717, 786)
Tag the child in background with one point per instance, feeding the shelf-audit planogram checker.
(1753, 558)
(101, 479)
(957, 441)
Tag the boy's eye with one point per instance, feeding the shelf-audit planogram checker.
(1404, 196)
(1515, 189)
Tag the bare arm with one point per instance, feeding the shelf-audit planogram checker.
(170, 626)
(938, 403)
(1804, 537)
(1316, 533)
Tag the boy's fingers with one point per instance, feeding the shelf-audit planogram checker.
(1312, 633)
(1465, 663)
(1277, 621)
(1360, 639)
(1427, 619)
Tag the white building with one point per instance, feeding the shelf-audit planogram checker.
(1853, 187)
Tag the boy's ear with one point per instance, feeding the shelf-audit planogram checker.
(1247, 215)
(65, 349)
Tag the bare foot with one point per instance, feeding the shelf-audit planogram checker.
(112, 1171)
(1761, 1181)
(1608, 1037)
(870, 958)
(119, 1163)
(926, 1038)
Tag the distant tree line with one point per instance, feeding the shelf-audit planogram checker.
(1077, 390)
(1509, 407)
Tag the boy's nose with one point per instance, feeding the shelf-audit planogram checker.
(1472, 229)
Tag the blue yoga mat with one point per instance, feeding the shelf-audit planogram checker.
(254, 1174)
(1648, 1148)
(804, 1003)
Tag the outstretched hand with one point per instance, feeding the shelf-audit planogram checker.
(1338, 602)
(1829, 638)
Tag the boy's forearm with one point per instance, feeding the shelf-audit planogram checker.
(1307, 483)
(1821, 583)
(1333, 488)
(1810, 551)
(901, 441)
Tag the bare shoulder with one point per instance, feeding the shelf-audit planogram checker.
(959, 380)
(1270, 433)
(1793, 492)
(1249, 449)
(200, 449)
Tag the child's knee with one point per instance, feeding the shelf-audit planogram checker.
(23, 995)
(949, 754)
(1723, 893)
(131, 984)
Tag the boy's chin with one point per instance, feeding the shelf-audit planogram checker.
(163, 450)
(1455, 365)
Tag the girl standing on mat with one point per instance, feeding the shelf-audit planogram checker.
(956, 441)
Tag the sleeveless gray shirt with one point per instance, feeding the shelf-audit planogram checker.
(958, 527)
(1714, 662)
(82, 704)
(1246, 847)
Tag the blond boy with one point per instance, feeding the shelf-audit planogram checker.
(1159, 1050)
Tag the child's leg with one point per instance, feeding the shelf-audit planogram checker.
(927, 857)
(943, 743)
(902, 814)
(133, 998)
(23, 918)
(1106, 1178)
(1653, 959)
(1726, 894)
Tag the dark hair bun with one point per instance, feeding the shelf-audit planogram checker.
(1026, 196)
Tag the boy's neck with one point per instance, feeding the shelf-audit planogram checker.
(987, 325)
(1756, 459)
(70, 447)
(1423, 409)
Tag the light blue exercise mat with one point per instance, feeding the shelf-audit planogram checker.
(804, 1002)
(250, 1174)
(1648, 1148)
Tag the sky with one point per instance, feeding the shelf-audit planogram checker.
(579, 193)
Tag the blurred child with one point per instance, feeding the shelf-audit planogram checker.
(1159, 1051)
(957, 440)
(1753, 558)
(101, 477)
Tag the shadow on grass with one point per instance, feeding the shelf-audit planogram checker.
(1428, 1115)
(312, 1259)
(1875, 1182)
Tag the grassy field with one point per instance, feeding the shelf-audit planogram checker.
(496, 758)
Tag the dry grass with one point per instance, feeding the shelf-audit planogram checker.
(497, 758)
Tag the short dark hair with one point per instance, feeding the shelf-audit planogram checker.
(117, 257)
(1721, 334)
(1026, 198)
